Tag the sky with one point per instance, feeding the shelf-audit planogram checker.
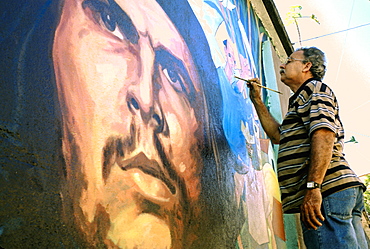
(348, 60)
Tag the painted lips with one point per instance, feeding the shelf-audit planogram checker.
(149, 177)
(152, 180)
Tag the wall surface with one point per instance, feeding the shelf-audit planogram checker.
(123, 126)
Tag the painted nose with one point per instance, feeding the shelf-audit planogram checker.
(143, 99)
(151, 116)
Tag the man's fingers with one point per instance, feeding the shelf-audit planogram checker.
(255, 89)
(251, 84)
(308, 214)
(314, 221)
(254, 82)
(310, 217)
(311, 209)
(320, 216)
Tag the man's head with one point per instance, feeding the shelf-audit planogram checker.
(131, 103)
(301, 65)
(317, 59)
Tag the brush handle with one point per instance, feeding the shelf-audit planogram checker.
(248, 81)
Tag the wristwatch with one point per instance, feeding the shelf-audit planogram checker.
(312, 185)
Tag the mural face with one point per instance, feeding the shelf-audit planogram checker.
(152, 142)
(129, 92)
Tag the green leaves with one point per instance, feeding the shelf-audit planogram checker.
(294, 14)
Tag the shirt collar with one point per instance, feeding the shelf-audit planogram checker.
(295, 95)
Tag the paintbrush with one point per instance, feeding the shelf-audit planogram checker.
(248, 81)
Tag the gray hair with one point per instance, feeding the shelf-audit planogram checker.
(317, 58)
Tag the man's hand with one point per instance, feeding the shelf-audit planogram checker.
(311, 209)
(254, 89)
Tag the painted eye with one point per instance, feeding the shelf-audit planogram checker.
(173, 71)
(104, 16)
(175, 79)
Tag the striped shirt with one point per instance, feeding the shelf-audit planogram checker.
(312, 107)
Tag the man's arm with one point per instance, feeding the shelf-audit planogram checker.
(269, 123)
(322, 142)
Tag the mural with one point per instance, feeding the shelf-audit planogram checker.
(122, 126)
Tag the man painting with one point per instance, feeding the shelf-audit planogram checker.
(315, 179)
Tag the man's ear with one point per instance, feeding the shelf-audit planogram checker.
(307, 67)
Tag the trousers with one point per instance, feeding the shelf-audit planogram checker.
(342, 227)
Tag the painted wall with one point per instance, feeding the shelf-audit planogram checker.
(123, 126)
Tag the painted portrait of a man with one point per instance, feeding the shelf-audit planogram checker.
(135, 119)
(113, 131)
(133, 122)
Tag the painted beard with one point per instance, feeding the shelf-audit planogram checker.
(152, 188)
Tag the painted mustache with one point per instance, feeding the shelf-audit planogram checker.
(114, 153)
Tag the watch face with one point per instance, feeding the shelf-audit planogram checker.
(310, 185)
